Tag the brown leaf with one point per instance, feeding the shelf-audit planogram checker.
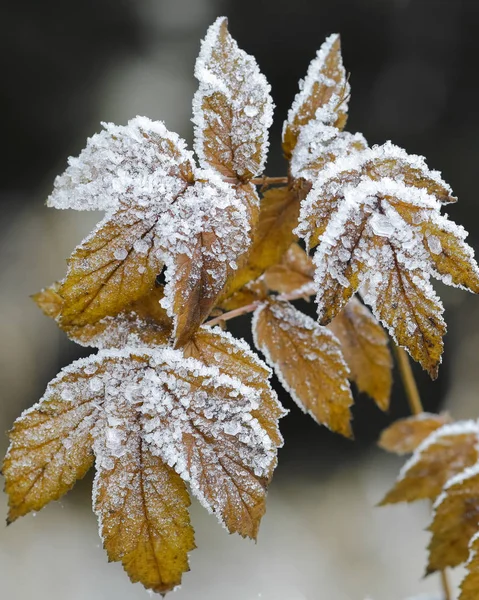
(364, 345)
(142, 323)
(445, 453)
(232, 108)
(470, 583)
(405, 435)
(326, 78)
(307, 360)
(455, 521)
(273, 236)
(50, 445)
(251, 292)
(142, 507)
(295, 270)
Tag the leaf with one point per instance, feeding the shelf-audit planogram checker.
(152, 418)
(295, 271)
(364, 345)
(51, 443)
(374, 217)
(455, 521)
(307, 360)
(142, 507)
(232, 108)
(253, 291)
(273, 236)
(445, 453)
(142, 323)
(405, 435)
(470, 583)
(325, 82)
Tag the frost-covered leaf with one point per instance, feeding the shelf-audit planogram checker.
(445, 453)
(141, 504)
(307, 360)
(142, 323)
(51, 443)
(253, 291)
(325, 84)
(273, 235)
(470, 583)
(295, 271)
(364, 345)
(455, 521)
(375, 216)
(405, 435)
(149, 416)
(232, 109)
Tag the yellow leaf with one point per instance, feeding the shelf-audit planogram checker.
(307, 360)
(251, 292)
(51, 444)
(445, 453)
(142, 507)
(142, 323)
(455, 521)
(232, 108)
(364, 345)
(405, 435)
(295, 270)
(470, 583)
(325, 79)
(273, 236)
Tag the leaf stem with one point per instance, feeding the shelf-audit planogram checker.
(263, 181)
(303, 292)
(415, 404)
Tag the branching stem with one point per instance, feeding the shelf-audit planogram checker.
(417, 408)
(263, 181)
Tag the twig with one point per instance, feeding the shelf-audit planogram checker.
(416, 407)
(263, 181)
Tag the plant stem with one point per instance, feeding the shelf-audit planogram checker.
(264, 181)
(303, 292)
(416, 407)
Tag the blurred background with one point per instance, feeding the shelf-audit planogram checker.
(68, 65)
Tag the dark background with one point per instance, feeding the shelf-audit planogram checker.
(67, 65)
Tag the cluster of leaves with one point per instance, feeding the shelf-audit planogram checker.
(168, 399)
(444, 468)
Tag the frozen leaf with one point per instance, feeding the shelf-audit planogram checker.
(273, 235)
(149, 416)
(295, 271)
(142, 507)
(364, 345)
(445, 453)
(455, 521)
(232, 109)
(142, 323)
(325, 84)
(375, 216)
(470, 583)
(254, 291)
(405, 435)
(307, 360)
(51, 443)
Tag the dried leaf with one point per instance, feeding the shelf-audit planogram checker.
(273, 235)
(374, 217)
(445, 453)
(405, 435)
(470, 583)
(232, 108)
(325, 82)
(253, 291)
(142, 323)
(142, 507)
(364, 345)
(307, 360)
(455, 521)
(51, 444)
(295, 271)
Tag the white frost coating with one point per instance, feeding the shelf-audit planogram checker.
(459, 478)
(313, 76)
(234, 75)
(140, 162)
(329, 345)
(451, 429)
